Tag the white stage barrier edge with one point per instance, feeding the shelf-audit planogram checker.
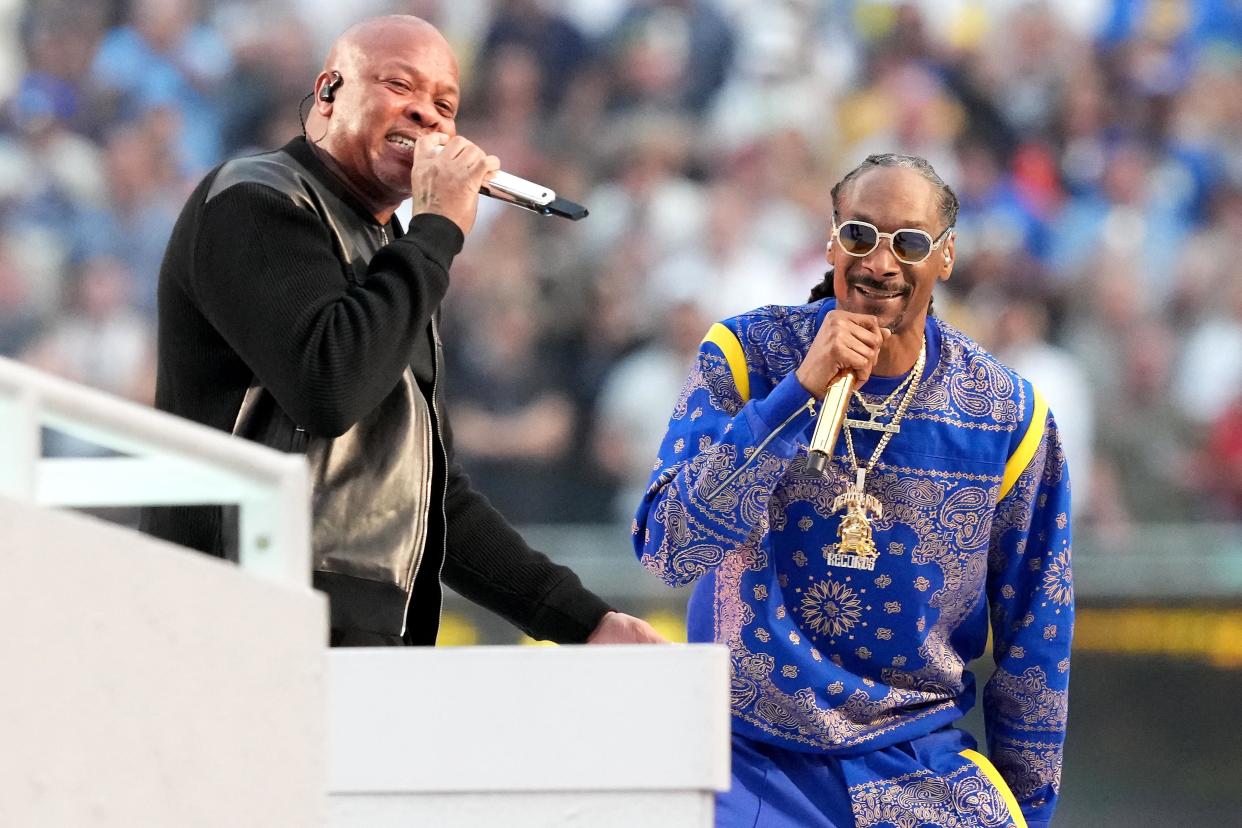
(175, 461)
(496, 719)
(145, 684)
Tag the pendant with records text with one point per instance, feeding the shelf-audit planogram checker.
(856, 549)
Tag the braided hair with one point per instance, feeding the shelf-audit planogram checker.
(947, 199)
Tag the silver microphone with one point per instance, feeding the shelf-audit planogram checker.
(528, 195)
(828, 425)
(531, 196)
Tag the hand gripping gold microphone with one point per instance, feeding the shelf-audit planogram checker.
(828, 427)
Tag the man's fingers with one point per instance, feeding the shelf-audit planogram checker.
(455, 146)
(872, 338)
(862, 341)
(476, 162)
(857, 356)
(866, 320)
(619, 628)
(485, 165)
(847, 341)
(463, 149)
(865, 326)
(856, 360)
(861, 365)
(427, 145)
(458, 149)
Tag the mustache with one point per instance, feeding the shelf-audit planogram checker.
(886, 286)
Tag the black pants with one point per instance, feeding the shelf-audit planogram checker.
(364, 638)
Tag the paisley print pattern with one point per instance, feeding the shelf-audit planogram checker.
(711, 374)
(829, 658)
(1029, 767)
(970, 388)
(1026, 700)
(963, 799)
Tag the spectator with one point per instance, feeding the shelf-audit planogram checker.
(629, 419)
(1128, 216)
(730, 270)
(1224, 461)
(165, 58)
(19, 324)
(512, 425)
(551, 39)
(1022, 343)
(671, 53)
(1095, 143)
(274, 54)
(101, 341)
(1210, 370)
(1149, 442)
(143, 185)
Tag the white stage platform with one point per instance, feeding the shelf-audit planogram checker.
(527, 737)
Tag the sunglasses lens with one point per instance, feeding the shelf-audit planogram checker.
(911, 246)
(856, 238)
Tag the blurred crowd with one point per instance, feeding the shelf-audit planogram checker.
(1096, 146)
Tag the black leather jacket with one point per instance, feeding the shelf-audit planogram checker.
(371, 486)
(289, 316)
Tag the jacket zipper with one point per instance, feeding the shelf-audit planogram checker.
(808, 405)
(428, 479)
(443, 454)
(435, 382)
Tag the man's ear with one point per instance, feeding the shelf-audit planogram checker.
(948, 253)
(325, 91)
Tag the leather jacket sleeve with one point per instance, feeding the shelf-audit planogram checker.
(490, 564)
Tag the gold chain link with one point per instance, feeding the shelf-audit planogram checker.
(914, 378)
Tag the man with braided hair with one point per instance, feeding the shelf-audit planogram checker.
(852, 602)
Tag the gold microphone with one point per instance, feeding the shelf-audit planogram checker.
(828, 426)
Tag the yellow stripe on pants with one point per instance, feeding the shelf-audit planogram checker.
(993, 775)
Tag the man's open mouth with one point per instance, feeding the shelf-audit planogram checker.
(878, 293)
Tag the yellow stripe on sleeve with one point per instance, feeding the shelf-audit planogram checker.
(1026, 449)
(728, 343)
(993, 775)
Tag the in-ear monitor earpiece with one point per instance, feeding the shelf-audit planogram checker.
(328, 93)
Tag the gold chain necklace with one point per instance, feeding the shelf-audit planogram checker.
(856, 549)
(915, 377)
(878, 409)
(874, 412)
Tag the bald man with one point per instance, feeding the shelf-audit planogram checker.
(294, 311)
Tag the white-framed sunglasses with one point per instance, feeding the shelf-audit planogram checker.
(859, 238)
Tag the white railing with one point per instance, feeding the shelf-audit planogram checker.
(169, 462)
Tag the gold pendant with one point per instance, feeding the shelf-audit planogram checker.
(857, 547)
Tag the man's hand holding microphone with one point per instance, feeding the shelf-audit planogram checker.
(446, 176)
(841, 358)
